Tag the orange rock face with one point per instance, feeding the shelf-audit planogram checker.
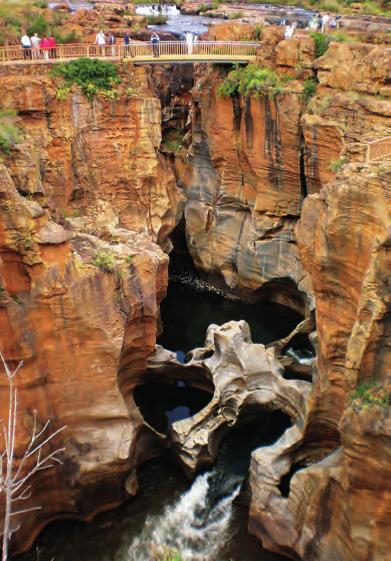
(338, 508)
(242, 182)
(82, 206)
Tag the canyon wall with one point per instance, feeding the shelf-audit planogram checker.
(338, 501)
(88, 200)
(84, 201)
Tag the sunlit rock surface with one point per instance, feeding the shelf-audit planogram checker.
(73, 324)
(242, 183)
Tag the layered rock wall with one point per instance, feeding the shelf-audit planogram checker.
(84, 199)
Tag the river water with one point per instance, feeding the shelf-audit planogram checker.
(203, 520)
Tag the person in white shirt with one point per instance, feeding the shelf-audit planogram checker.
(35, 43)
(100, 40)
(26, 45)
(325, 22)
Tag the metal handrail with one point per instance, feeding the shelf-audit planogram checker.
(213, 49)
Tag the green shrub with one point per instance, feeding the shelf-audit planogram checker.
(309, 88)
(62, 93)
(40, 3)
(368, 394)
(92, 75)
(38, 24)
(322, 42)
(160, 19)
(71, 37)
(9, 132)
(253, 80)
(105, 261)
(258, 31)
(336, 165)
(203, 8)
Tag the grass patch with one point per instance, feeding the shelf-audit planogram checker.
(309, 89)
(336, 165)
(253, 80)
(105, 261)
(236, 15)
(368, 394)
(94, 76)
(320, 104)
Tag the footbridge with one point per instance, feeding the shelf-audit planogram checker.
(139, 53)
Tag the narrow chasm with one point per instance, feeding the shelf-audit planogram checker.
(193, 303)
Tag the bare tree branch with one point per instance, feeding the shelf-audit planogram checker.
(13, 485)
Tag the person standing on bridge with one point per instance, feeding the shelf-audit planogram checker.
(26, 45)
(35, 42)
(155, 39)
(111, 42)
(45, 46)
(100, 40)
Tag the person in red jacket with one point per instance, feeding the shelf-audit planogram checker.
(52, 47)
(45, 46)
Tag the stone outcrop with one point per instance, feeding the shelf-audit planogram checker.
(245, 377)
(96, 160)
(72, 324)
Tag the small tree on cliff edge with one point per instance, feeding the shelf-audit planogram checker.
(15, 478)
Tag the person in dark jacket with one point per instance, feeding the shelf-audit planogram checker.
(155, 44)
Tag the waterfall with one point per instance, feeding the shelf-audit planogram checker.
(156, 9)
(197, 526)
(301, 356)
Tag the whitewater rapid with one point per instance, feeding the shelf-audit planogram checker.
(195, 526)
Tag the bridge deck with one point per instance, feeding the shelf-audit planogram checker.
(141, 53)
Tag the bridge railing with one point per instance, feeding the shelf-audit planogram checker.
(378, 148)
(229, 49)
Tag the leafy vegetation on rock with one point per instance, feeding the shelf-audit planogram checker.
(94, 76)
(368, 394)
(253, 80)
(33, 17)
(105, 261)
(309, 88)
(322, 42)
(9, 132)
(336, 165)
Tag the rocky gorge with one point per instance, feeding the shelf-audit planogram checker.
(276, 202)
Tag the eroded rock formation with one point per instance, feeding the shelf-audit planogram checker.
(245, 377)
(242, 183)
(338, 507)
(83, 203)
